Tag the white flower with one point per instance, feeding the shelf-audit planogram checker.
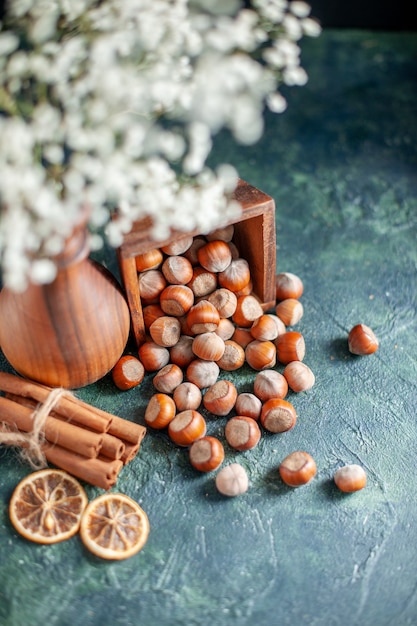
(113, 105)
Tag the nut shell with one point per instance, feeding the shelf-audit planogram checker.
(362, 340)
(186, 427)
(298, 468)
(242, 433)
(350, 478)
(232, 480)
(278, 415)
(206, 454)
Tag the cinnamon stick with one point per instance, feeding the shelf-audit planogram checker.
(55, 431)
(98, 472)
(112, 448)
(79, 412)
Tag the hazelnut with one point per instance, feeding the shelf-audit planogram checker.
(206, 454)
(177, 270)
(208, 346)
(236, 276)
(149, 260)
(202, 373)
(362, 340)
(232, 480)
(160, 411)
(165, 331)
(187, 396)
(233, 356)
(176, 300)
(151, 283)
(224, 300)
(224, 233)
(203, 317)
(260, 354)
(278, 415)
(350, 478)
(215, 255)
(242, 433)
(168, 378)
(265, 328)
(128, 372)
(288, 285)
(298, 468)
(202, 282)
(299, 376)
(290, 347)
(248, 309)
(178, 246)
(270, 384)
(182, 352)
(186, 427)
(220, 398)
(248, 404)
(290, 311)
(153, 356)
(225, 329)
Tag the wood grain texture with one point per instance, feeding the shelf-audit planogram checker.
(254, 237)
(68, 333)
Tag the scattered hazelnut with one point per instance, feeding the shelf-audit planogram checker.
(362, 340)
(260, 354)
(220, 398)
(208, 346)
(203, 317)
(168, 378)
(153, 357)
(290, 311)
(203, 373)
(187, 396)
(248, 404)
(233, 356)
(186, 427)
(288, 285)
(350, 478)
(206, 454)
(298, 468)
(128, 372)
(232, 480)
(278, 415)
(290, 347)
(165, 331)
(270, 384)
(299, 376)
(242, 433)
(160, 411)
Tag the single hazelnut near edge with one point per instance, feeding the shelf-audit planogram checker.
(362, 340)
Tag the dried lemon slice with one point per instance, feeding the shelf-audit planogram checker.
(114, 526)
(47, 505)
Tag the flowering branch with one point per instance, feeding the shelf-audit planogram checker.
(114, 105)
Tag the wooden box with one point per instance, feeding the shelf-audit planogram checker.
(254, 236)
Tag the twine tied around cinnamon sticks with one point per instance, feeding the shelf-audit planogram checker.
(31, 442)
(54, 426)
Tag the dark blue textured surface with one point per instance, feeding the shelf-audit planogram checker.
(341, 166)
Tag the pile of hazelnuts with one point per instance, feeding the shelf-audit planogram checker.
(202, 317)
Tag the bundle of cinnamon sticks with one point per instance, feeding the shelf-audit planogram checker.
(83, 440)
